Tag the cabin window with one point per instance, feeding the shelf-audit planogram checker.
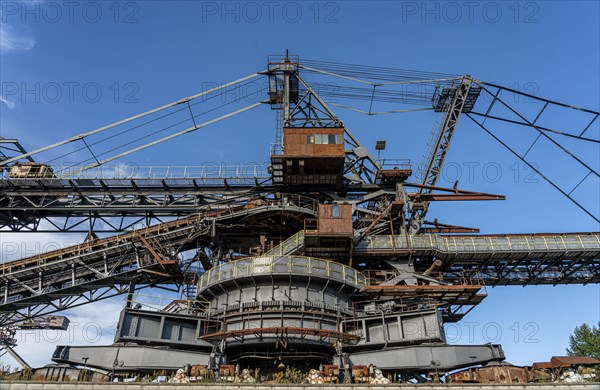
(335, 211)
(324, 139)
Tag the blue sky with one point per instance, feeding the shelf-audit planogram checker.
(65, 69)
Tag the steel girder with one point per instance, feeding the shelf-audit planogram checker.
(452, 106)
(431, 358)
(111, 205)
(62, 277)
(569, 258)
(129, 357)
(105, 205)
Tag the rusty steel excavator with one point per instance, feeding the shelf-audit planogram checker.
(323, 258)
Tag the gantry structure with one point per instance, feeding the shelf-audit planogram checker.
(325, 255)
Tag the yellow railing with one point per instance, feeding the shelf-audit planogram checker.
(475, 244)
(294, 241)
(281, 265)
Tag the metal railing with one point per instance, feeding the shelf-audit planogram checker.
(547, 244)
(276, 149)
(150, 302)
(288, 246)
(402, 164)
(127, 171)
(281, 265)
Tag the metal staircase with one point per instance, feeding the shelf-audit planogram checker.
(288, 247)
(367, 224)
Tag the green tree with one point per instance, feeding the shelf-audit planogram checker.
(585, 341)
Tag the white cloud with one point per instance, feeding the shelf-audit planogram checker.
(7, 102)
(15, 246)
(92, 324)
(13, 40)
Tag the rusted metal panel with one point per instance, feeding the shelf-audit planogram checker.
(309, 142)
(542, 366)
(393, 171)
(60, 373)
(335, 219)
(500, 374)
(456, 197)
(360, 374)
(227, 372)
(31, 170)
(397, 206)
(197, 370)
(564, 361)
(331, 373)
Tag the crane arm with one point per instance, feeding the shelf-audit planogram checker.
(452, 102)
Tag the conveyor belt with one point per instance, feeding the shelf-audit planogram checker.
(59, 277)
(112, 262)
(512, 259)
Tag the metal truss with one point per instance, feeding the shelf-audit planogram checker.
(10, 148)
(566, 270)
(108, 205)
(102, 267)
(518, 260)
(88, 272)
(164, 111)
(116, 205)
(105, 289)
(544, 133)
(455, 300)
(308, 112)
(360, 165)
(452, 102)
